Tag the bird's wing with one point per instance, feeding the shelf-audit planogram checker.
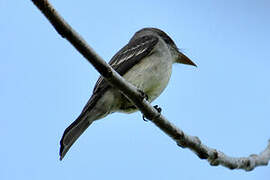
(128, 56)
(123, 60)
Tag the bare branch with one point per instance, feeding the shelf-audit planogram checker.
(213, 156)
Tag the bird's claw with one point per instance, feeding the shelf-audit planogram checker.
(143, 95)
(143, 117)
(158, 110)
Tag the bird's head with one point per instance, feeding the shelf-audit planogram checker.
(179, 56)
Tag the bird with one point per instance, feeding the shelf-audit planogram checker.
(145, 62)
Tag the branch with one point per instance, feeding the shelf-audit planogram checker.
(182, 139)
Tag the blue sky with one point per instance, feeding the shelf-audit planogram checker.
(45, 83)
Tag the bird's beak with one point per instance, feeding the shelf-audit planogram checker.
(185, 60)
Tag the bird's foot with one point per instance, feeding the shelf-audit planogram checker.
(158, 110)
(143, 95)
(143, 117)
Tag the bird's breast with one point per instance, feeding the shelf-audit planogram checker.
(151, 76)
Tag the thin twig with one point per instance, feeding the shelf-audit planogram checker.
(213, 156)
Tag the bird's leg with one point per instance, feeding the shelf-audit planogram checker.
(143, 117)
(158, 108)
(143, 95)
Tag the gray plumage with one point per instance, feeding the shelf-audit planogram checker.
(146, 62)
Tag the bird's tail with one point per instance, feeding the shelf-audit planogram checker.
(74, 131)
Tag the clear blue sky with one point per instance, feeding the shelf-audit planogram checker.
(45, 83)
